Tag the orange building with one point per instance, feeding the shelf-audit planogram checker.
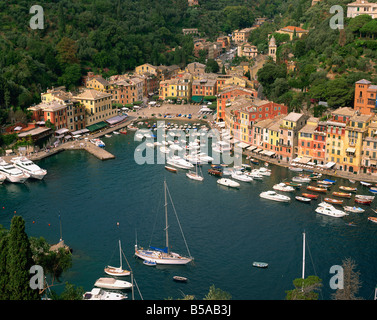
(365, 97)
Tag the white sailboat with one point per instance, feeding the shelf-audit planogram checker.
(164, 256)
(195, 175)
(117, 271)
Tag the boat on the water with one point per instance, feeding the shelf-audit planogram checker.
(373, 219)
(29, 167)
(350, 189)
(12, 173)
(254, 161)
(283, 187)
(149, 263)
(100, 294)
(228, 183)
(330, 211)
(260, 264)
(309, 195)
(194, 175)
(333, 201)
(342, 194)
(301, 179)
(171, 169)
(240, 176)
(303, 199)
(363, 199)
(353, 209)
(366, 184)
(272, 195)
(163, 256)
(98, 143)
(373, 189)
(180, 279)
(215, 172)
(317, 189)
(178, 162)
(112, 283)
(117, 271)
(293, 184)
(295, 169)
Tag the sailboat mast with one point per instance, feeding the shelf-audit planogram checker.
(120, 254)
(166, 218)
(303, 257)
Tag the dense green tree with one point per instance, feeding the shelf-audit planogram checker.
(18, 262)
(268, 74)
(305, 289)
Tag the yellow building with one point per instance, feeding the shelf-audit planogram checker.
(98, 106)
(178, 87)
(146, 68)
(355, 132)
(98, 83)
(52, 94)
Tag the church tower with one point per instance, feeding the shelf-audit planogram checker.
(272, 48)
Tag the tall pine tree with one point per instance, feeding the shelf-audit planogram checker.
(19, 261)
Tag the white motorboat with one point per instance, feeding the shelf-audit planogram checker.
(165, 149)
(301, 179)
(332, 212)
(255, 174)
(98, 143)
(283, 187)
(29, 167)
(240, 176)
(100, 294)
(228, 183)
(178, 162)
(163, 256)
(12, 173)
(272, 195)
(264, 171)
(326, 205)
(112, 283)
(296, 169)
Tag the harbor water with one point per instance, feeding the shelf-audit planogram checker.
(100, 202)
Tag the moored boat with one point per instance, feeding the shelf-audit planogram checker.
(350, 189)
(254, 161)
(215, 172)
(301, 179)
(272, 195)
(295, 169)
(293, 184)
(309, 195)
(240, 176)
(333, 201)
(112, 283)
(100, 294)
(303, 199)
(353, 209)
(373, 219)
(373, 189)
(171, 169)
(332, 212)
(283, 187)
(228, 183)
(317, 189)
(180, 279)
(260, 264)
(366, 184)
(363, 201)
(29, 167)
(149, 263)
(342, 194)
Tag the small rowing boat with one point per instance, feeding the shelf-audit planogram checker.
(333, 201)
(303, 199)
(149, 263)
(342, 194)
(311, 196)
(215, 172)
(171, 169)
(260, 264)
(353, 209)
(373, 190)
(317, 189)
(180, 279)
(367, 184)
(363, 201)
(350, 189)
(373, 219)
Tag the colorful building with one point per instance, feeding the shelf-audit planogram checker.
(369, 149)
(365, 97)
